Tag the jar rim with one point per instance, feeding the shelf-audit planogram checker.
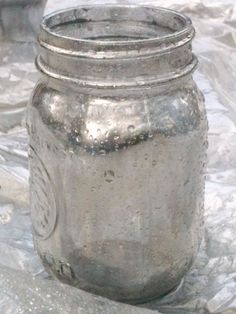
(95, 48)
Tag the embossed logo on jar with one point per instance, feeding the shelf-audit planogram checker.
(43, 205)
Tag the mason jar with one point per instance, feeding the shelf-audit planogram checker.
(117, 150)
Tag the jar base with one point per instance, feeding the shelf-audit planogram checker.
(148, 301)
(65, 273)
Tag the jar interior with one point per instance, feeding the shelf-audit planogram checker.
(111, 30)
(109, 23)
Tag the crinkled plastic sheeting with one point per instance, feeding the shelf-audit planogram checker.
(210, 286)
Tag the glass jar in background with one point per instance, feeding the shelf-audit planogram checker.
(20, 19)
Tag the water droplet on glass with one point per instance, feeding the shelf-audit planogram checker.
(78, 139)
(130, 128)
(102, 152)
(109, 175)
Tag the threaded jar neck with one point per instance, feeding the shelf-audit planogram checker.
(107, 46)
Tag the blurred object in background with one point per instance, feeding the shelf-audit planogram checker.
(19, 26)
(20, 20)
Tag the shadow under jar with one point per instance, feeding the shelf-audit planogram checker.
(117, 150)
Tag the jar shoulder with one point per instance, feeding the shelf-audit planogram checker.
(83, 118)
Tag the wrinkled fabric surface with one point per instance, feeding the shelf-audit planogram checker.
(210, 286)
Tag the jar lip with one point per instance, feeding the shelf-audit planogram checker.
(52, 40)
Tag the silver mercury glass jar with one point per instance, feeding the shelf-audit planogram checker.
(117, 150)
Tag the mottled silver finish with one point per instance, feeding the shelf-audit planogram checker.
(117, 150)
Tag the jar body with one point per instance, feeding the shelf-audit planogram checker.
(117, 186)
